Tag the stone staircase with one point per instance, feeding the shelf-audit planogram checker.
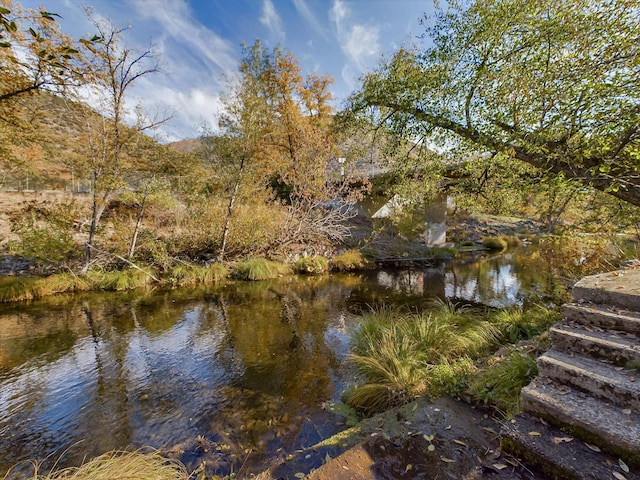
(582, 413)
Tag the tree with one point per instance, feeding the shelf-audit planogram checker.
(275, 133)
(34, 56)
(112, 152)
(551, 83)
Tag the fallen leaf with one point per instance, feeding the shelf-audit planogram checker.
(431, 447)
(534, 434)
(345, 467)
(623, 466)
(500, 466)
(415, 407)
(299, 475)
(448, 427)
(408, 467)
(446, 460)
(632, 379)
(559, 440)
(460, 442)
(619, 476)
(627, 411)
(593, 447)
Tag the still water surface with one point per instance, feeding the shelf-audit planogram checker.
(236, 375)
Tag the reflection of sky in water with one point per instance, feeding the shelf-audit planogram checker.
(504, 288)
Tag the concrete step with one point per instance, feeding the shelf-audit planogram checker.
(558, 454)
(603, 316)
(620, 288)
(621, 349)
(609, 427)
(604, 381)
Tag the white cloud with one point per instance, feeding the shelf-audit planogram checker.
(360, 43)
(272, 20)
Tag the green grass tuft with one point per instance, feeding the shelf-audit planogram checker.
(190, 274)
(259, 269)
(399, 356)
(500, 383)
(317, 264)
(349, 261)
(127, 279)
(516, 324)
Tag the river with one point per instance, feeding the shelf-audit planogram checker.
(236, 374)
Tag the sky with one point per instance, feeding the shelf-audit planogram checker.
(199, 41)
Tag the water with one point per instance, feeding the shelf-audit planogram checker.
(236, 375)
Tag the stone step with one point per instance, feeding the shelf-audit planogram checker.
(603, 380)
(603, 316)
(620, 288)
(609, 427)
(558, 454)
(621, 349)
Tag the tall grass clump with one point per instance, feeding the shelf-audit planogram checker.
(190, 274)
(18, 288)
(517, 324)
(259, 269)
(311, 265)
(126, 279)
(119, 466)
(348, 261)
(399, 356)
(500, 383)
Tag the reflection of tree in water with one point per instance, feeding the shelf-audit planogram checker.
(277, 338)
(512, 278)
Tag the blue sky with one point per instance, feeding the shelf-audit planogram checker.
(200, 40)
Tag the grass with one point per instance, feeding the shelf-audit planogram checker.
(259, 269)
(349, 261)
(500, 383)
(311, 265)
(191, 274)
(126, 279)
(399, 356)
(120, 466)
(516, 324)
(500, 243)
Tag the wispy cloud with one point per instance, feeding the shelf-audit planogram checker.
(272, 20)
(359, 42)
(197, 59)
(305, 12)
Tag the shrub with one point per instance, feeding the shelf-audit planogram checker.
(315, 264)
(259, 269)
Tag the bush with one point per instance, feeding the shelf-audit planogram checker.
(259, 269)
(315, 264)
(494, 243)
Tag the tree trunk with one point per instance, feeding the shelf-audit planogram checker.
(227, 220)
(134, 239)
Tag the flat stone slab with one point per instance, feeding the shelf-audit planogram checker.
(613, 428)
(559, 454)
(603, 316)
(605, 381)
(620, 288)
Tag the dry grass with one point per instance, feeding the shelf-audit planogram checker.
(119, 465)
